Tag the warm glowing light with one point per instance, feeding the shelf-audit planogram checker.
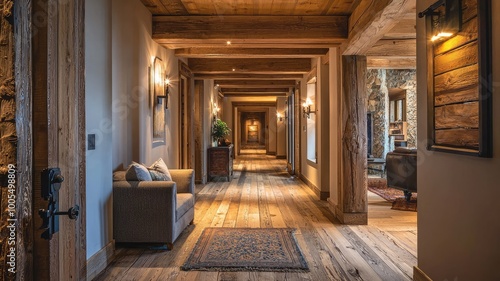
(441, 35)
(228, 43)
(307, 103)
(279, 115)
(167, 81)
(234, 69)
(158, 77)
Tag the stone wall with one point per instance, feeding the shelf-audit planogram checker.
(407, 79)
(378, 105)
(377, 85)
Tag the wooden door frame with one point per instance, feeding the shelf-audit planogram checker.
(184, 71)
(45, 109)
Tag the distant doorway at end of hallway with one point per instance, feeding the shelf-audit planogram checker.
(253, 133)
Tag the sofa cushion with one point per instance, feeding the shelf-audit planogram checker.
(137, 172)
(185, 201)
(161, 167)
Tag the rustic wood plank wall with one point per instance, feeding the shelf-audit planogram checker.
(8, 138)
(456, 84)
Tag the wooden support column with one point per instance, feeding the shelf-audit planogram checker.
(353, 204)
(8, 148)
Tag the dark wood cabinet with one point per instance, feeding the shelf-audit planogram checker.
(220, 162)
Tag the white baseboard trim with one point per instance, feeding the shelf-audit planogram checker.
(419, 275)
(100, 260)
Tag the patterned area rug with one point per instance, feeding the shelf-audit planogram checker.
(246, 249)
(396, 196)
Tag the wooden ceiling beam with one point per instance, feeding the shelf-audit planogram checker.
(255, 83)
(254, 95)
(260, 29)
(234, 52)
(406, 47)
(254, 44)
(250, 65)
(248, 76)
(254, 90)
(391, 62)
(371, 20)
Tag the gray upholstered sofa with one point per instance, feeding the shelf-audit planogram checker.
(153, 211)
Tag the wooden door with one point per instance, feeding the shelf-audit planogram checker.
(59, 134)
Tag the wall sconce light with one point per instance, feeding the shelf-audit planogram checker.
(215, 110)
(444, 26)
(160, 97)
(281, 116)
(306, 108)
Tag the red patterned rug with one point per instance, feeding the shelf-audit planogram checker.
(396, 196)
(246, 249)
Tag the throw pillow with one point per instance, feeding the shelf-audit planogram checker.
(138, 172)
(161, 167)
(158, 176)
(119, 175)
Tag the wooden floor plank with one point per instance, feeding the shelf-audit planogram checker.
(261, 194)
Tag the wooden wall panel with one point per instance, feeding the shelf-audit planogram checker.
(467, 138)
(457, 63)
(456, 58)
(468, 34)
(464, 115)
(465, 95)
(456, 80)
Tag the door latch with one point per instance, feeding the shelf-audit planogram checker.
(51, 184)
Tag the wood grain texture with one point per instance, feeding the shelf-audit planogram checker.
(250, 65)
(457, 58)
(261, 194)
(353, 161)
(467, 138)
(258, 29)
(464, 115)
(8, 146)
(467, 35)
(371, 20)
(393, 62)
(250, 52)
(249, 7)
(248, 76)
(255, 83)
(456, 80)
(394, 48)
(24, 97)
(466, 95)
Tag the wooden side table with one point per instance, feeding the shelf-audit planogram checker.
(220, 162)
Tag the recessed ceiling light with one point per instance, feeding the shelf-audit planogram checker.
(234, 69)
(228, 43)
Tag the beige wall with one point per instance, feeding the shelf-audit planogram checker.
(98, 121)
(132, 53)
(458, 223)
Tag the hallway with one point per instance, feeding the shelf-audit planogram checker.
(262, 194)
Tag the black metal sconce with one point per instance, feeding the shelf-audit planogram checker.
(159, 98)
(444, 26)
(306, 108)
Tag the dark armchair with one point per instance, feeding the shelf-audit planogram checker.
(401, 165)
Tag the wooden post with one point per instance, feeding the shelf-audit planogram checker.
(8, 140)
(353, 205)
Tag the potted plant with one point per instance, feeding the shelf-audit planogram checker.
(219, 131)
